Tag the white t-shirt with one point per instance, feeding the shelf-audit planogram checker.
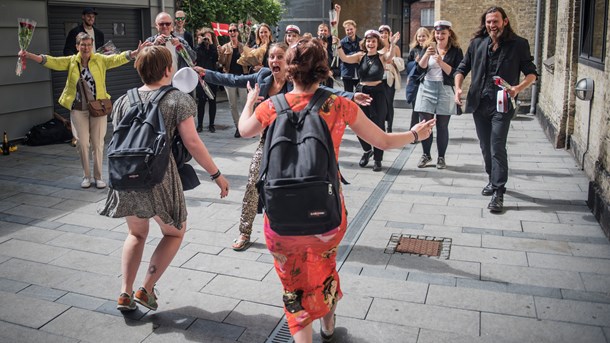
(435, 73)
(172, 49)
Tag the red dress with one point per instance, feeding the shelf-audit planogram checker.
(306, 265)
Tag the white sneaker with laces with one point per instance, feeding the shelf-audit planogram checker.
(86, 183)
(100, 184)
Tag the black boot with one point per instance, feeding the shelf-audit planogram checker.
(365, 158)
(377, 166)
(497, 202)
(488, 190)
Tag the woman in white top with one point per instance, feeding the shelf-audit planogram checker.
(435, 96)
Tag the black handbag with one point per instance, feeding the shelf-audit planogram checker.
(188, 175)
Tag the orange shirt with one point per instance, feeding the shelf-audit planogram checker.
(337, 111)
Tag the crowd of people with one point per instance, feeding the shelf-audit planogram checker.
(370, 71)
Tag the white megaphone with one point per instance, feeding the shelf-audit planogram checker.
(185, 80)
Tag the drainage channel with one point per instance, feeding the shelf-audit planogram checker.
(281, 333)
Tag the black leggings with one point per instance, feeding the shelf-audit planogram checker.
(376, 112)
(442, 133)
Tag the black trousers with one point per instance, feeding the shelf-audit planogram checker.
(350, 84)
(376, 112)
(202, 100)
(492, 129)
(391, 93)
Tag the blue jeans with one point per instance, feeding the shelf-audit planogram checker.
(492, 129)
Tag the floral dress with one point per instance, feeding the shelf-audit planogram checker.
(306, 265)
(165, 199)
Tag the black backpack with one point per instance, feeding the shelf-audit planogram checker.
(51, 132)
(138, 153)
(299, 181)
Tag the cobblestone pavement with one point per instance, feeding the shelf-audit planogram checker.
(539, 272)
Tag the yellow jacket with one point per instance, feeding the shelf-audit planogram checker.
(98, 64)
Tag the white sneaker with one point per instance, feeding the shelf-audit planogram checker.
(100, 184)
(86, 183)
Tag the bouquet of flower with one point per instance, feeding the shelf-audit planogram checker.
(500, 82)
(108, 49)
(185, 55)
(25, 33)
(244, 29)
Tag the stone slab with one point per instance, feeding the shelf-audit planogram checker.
(43, 293)
(481, 300)
(89, 262)
(32, 251)
(87, 243)
(17, 333)
(382, 288)
(486, 255)
(570, 263)
(11, 286)
(27, 311)
(269, 293)
(85, 302)
(259, 319)
(229, 266)
(95, 326)
(572, 311)
(424, 316)
(532, 276)
(535, 330)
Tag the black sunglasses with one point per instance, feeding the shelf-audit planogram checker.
(164, 24)
(233, 30)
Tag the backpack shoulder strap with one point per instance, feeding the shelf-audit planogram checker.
(318, 99)
(280, 104)
(134, 98)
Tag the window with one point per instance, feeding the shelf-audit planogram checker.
(427, 17)
(593, 28)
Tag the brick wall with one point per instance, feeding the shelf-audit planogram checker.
(466, 18)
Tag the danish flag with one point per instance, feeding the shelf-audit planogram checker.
(220, 29)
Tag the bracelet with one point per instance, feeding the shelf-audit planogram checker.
(216, 175)
(415, 135)
(339, 47)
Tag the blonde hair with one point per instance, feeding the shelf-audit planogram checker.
(419, 31)
(451, 42)
(349, 22)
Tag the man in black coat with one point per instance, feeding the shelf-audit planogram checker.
(494, 51)
(88, 19)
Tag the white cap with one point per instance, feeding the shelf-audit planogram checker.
(442, 25)
(185, 80)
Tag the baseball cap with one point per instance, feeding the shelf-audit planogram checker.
(88, 10)
(293, 28)
(440, 25)
(385, 28)
(372, 33)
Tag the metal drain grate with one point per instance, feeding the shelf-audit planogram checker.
(438, 247)
(419, 246)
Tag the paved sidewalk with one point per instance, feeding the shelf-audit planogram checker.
(539, 272)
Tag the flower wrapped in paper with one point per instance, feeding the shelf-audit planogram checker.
(244, 29)
(187, 58)
(252, 57)
(108, 49)
(25, 33)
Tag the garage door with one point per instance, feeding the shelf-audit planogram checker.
(122, 26)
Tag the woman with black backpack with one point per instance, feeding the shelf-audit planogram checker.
(306, 264)
(164, 202)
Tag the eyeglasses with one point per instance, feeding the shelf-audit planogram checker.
(232, 30)
(180, 18)
(164, 24)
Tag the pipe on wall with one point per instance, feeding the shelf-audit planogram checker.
(537, 43)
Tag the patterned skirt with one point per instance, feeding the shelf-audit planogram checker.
(306, 266)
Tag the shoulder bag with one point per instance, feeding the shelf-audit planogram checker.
(97, 108)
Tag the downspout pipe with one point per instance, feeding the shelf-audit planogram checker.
(537, 43)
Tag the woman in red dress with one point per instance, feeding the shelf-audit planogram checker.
(306, 265)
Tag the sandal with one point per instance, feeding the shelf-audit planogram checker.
(325, 337)
(241, 243)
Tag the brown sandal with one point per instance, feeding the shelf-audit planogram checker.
(241, 243)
